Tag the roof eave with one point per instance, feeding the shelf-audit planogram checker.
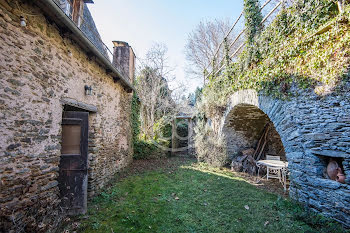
(54, 12)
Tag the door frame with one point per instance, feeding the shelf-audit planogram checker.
(73, 168)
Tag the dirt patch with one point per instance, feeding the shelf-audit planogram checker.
(271, 185)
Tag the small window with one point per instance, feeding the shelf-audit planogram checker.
(78, 12)
(71, 137)
(73, 9)
(333, 168)
(66, 6)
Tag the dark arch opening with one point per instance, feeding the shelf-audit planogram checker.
(244, 127)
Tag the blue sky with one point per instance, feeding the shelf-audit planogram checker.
(143, 22)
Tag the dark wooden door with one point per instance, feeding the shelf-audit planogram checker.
(73, 166)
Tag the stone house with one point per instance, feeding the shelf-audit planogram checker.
(65, 106)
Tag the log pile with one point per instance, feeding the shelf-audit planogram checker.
(246, 162)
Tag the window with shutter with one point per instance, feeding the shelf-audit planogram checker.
(73, 9)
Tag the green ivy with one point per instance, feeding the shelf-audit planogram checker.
(289, 51)
(143, 148)
(135, 117)
(253, 19)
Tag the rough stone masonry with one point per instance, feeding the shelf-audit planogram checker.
(313, 130)
(42, 71)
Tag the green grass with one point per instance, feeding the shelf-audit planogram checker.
(209, 200)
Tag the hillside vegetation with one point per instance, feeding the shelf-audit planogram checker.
(307, 44)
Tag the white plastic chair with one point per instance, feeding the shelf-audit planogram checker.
(284, 173)
(273, 172)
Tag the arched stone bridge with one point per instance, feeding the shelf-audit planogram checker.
(312, 130)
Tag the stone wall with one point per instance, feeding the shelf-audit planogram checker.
(36, 73)
(124, 58)
(243, 129)
(312, 128)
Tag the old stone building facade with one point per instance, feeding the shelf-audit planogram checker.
(51, 66)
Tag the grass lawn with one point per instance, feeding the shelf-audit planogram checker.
(183, 196)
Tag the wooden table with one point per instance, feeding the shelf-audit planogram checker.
(277, 164)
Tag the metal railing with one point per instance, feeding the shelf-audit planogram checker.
(237, 42)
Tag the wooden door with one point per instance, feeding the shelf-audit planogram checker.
(73, 166)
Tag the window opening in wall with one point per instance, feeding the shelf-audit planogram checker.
(71, 136)
(73, 9)
(333, 168)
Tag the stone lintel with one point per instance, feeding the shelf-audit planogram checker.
(77, 104)
(331, 153)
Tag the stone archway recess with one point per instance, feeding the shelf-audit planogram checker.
(278, 111)
(312, 130)
(244, 121)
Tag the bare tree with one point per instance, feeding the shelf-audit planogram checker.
(153, 77)
(203, 42)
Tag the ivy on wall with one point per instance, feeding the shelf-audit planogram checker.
(253, 19)
(135, 117)
(147, 148)
(307, 44)
(253, 26)
(142, 148)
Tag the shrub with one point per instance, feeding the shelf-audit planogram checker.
(147, 150)
(291, 50)
(210, 147)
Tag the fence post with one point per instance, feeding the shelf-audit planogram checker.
(173, 137)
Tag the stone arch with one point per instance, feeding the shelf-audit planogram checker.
(251, 106)
(313, 130)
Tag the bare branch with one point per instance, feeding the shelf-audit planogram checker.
(203, 42)
(157, 99)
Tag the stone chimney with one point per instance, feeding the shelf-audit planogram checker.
(124, 59)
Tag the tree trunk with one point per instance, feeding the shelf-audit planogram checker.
(152, 113)
(341, 6)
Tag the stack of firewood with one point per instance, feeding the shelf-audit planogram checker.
(247, 161)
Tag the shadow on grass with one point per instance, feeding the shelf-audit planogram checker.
(194, 198)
